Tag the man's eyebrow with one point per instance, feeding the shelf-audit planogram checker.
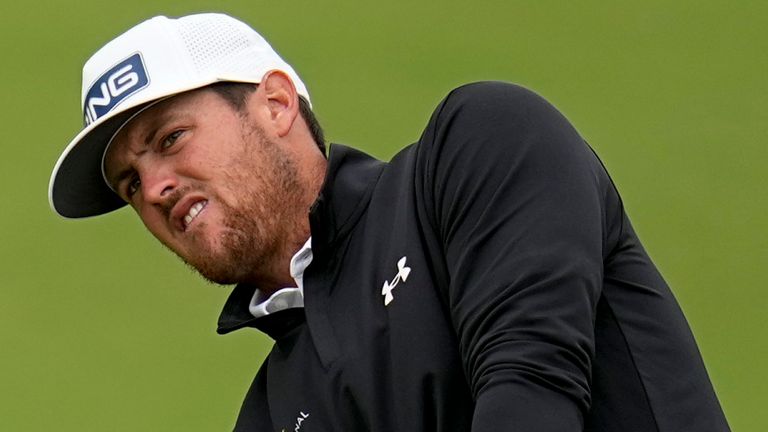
(159, 121)
(152, 132)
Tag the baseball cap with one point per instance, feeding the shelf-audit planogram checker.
(156, 59)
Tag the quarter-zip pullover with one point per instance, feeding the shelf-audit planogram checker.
(487, 278)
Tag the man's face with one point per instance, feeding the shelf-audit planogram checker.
(209, 184)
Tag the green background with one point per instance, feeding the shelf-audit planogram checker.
(102, 329)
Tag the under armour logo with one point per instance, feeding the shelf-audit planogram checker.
(402, 275)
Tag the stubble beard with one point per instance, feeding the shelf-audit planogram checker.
(255, 233)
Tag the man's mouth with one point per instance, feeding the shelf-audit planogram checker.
(193, 212)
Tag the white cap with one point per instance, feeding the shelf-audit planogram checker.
(156, 59)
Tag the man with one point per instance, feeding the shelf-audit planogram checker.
(487, 278)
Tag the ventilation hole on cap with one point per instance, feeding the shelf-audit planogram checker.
(212, 43)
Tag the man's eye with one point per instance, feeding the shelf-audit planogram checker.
(133, 186)
(170, 140)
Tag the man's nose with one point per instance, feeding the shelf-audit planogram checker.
(158, 185)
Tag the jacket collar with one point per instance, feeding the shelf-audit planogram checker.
(346, 192)
(349, 181)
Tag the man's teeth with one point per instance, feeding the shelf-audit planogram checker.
(193, 212)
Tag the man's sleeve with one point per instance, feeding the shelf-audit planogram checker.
(518, 200)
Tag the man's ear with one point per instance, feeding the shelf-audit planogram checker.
(282, 101)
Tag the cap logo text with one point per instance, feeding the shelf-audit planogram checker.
(116, 84)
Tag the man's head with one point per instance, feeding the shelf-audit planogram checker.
(156, 59)
(222, 174)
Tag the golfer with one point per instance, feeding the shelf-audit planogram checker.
(487, 278)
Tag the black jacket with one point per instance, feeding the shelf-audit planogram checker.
(521, 299)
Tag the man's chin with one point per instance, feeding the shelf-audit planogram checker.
(217, 273)
(214, 265)
(227, 253)
(218, 279)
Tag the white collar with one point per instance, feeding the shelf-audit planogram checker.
(288, 297)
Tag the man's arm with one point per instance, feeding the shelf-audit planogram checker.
(519, 201)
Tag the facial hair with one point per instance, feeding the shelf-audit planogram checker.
(257, 230)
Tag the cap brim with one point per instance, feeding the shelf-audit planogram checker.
(77, 188)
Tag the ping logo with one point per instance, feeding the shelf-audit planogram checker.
(116, 84)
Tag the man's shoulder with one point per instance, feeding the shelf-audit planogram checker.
(477, 123)
(480, 107)
(491, 100)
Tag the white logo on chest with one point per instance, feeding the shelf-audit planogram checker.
(402, 275)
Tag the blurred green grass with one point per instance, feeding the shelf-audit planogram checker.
(102, 329)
